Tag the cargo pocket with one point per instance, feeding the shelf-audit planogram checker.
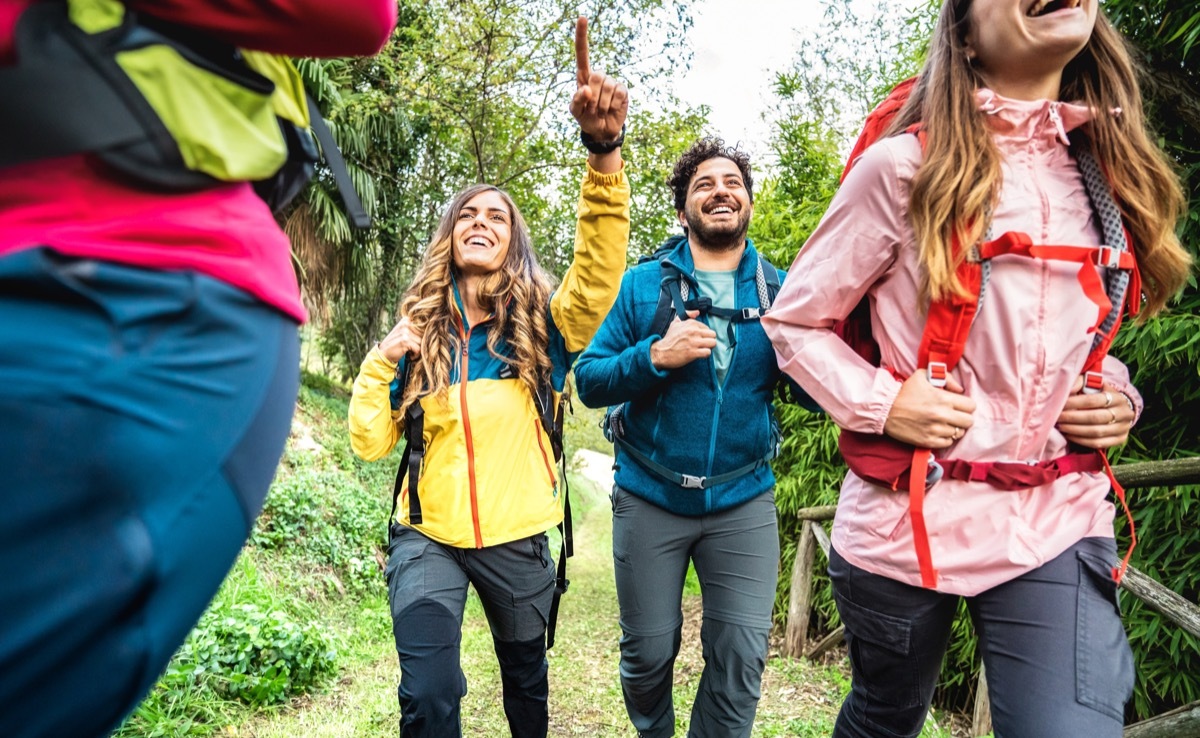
(403, 573)
(531, 613)
(623, 514)
(881, 650)
(1103, 659)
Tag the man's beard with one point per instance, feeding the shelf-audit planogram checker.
(721, 238)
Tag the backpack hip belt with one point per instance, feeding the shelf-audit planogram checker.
(614, 431)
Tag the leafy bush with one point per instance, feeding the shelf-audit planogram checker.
(329, 521)
(258, 656)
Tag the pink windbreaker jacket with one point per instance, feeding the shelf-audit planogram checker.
(1026, 348)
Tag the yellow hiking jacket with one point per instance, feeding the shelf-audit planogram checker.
(488, 475)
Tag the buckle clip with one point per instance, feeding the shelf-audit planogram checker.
(937, 373)
(1093, 382)
(751, 313)
(692, 482)
(1108, 257)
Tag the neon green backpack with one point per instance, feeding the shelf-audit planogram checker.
(162, 105)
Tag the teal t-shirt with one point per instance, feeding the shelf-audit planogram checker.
(721, 288)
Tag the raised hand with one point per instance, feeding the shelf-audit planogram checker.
(684, 342)
(927, 416)
(402, 340)
(600, 103)
(1099, 420)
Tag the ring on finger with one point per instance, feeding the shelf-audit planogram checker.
(1107, 399)
(1113, 419)
(957, 434)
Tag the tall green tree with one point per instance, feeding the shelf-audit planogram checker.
(474, 91)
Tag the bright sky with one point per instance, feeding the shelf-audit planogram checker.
(738, 45)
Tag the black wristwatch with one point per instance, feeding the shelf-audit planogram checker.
(602, 147)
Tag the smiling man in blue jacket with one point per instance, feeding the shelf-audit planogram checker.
(688, 374)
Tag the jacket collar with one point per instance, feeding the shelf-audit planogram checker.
(681, 258)
(1041, 120)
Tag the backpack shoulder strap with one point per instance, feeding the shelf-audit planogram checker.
(1123, 286)
(766, 278)
(671, 296)
(412, 457)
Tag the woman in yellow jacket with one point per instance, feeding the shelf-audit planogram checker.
(481, 332)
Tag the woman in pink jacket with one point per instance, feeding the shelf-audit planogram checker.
(1014, 96)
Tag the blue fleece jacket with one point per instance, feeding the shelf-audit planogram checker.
(683, 418)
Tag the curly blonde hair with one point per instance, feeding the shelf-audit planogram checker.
(959, 179)
(515, 295)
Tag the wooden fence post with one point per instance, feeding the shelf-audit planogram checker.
(981, 721)
(799, 603)
(1183, 722)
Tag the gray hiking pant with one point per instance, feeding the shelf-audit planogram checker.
(736, 555)
(1058, 664)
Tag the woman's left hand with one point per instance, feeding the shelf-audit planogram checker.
(1097, 420)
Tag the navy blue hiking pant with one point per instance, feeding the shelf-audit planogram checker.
(142, 415)
(1058, 663)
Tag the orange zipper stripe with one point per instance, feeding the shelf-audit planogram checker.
(462, 384)
(537, 431)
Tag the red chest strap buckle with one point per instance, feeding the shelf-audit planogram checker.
(937, 373)
(1093, 382)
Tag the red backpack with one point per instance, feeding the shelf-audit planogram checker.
(891, 463)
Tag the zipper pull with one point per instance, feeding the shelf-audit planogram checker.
(1057, 121)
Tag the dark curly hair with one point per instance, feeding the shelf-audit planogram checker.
(709, 147)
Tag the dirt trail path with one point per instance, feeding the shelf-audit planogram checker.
(585, 696)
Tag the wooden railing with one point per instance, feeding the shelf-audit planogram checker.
(1184, 721)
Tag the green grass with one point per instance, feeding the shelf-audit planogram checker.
(315, 561)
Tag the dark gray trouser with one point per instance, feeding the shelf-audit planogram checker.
(427, 589)
(1058, 663)
(736, 554)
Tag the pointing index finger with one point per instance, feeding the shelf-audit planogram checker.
(582, 71)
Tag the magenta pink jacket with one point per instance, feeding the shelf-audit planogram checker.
(225, 232)
(1025, 350)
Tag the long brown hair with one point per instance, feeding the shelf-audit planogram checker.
(516, 295)
(960, 178)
